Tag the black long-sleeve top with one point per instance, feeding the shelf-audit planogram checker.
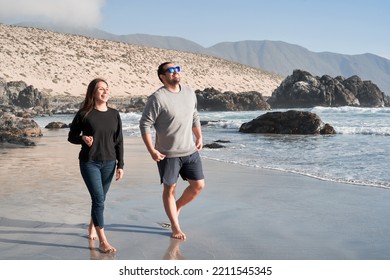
(106, 129)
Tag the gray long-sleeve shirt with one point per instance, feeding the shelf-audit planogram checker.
(173, 116)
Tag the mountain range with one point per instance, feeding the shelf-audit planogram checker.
(273, 56)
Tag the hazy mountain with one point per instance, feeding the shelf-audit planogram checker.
(153, 41)
(274, 56)
(283, 58)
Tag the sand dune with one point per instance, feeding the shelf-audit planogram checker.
(58, 63)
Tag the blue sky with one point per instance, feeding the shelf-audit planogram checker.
(339, 26)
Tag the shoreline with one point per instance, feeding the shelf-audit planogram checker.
(243, 213)
(294, 173)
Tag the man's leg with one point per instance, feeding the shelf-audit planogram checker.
(169, 201)
(190, 193)
(191, 168)
(173, 207)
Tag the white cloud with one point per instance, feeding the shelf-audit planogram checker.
(67, 12)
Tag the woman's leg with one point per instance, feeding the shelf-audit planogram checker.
(92, 235)
(107, 172)
(94, 174)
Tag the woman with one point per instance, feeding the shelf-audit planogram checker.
(98, 128)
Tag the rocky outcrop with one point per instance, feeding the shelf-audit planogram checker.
(216, 144)
(213, 145)
(127, 105)
(56, 125)
(18, 93)
(26, 101)
(211, 99)
(18, 130)
(289, 122)
(302, 90)
(366, 92)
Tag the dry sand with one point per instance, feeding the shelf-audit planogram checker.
(242, 214)
(63, 64)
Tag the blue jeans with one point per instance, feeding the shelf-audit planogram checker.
(97, 176)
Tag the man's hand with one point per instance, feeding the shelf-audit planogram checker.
(199, 143)
(156, 155)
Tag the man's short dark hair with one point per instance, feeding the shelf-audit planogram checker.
(161, 69)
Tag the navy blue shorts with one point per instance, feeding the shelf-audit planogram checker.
(188, 167)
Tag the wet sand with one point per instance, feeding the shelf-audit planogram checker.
(242, 214)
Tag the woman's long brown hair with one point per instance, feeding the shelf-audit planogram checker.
(89, 102)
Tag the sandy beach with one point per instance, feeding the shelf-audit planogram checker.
(242, 214)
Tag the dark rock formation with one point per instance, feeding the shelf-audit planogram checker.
(17, 130)
(19, 94)
(26, 101)
(214, 145)
(290, 122)
(211, 99)
(56, 125)
(222, 141)
(302, 90)
(126, 105)
(366, 92)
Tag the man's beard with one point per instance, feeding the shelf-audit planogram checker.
(174, 82)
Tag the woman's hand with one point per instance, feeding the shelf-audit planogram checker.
(88, 140)
(119, 174)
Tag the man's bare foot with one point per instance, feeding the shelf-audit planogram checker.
(105, 247)
(178, 234)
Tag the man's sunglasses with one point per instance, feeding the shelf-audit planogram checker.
(173, 69)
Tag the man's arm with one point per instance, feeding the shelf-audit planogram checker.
(155, 154)
(198, 137)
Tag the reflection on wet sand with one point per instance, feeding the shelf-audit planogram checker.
(96, 254)
(173, 252)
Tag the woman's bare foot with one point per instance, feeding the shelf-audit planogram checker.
(92, 235)
(105, 247)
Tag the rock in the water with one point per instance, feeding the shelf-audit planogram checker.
(290, 122)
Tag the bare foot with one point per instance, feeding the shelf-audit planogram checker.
(105, 247)
(92, 235)
(178, 234)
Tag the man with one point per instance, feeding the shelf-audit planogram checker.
(172, 110)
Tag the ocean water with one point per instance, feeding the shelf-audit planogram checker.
(358, 154)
